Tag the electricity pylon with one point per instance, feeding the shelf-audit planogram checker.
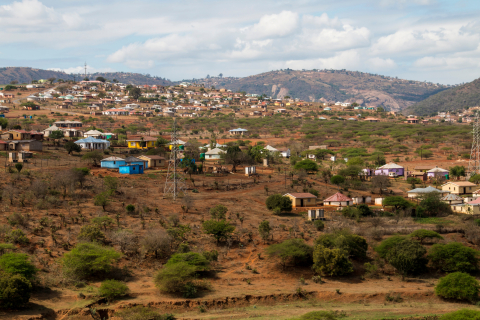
(175, 181)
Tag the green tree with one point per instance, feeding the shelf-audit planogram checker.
(408, 257)
(331, 262)
(102, 200)
(454, 257)
(56, 135)
(93, 156)
(283, 203)
(353, 244)
(220, 230)
(397, 202)
(89, 259)
(432, 205)
(111, 184)
(112, 290)
(18, 166)
(71, 146)
(18, 263)
(102, 79)
(135, 93)
(307, 165)
(459, 286)
(337, 180)
(15, 290)
(457, 172)
(291, 251)
(219, 212)
(264, 230)
(380, 182)
(422, 234)
(462, 314)
(91, 233)
(387, 244)
(475, 179)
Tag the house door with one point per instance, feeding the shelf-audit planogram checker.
(301, 202)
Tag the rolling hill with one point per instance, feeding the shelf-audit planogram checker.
(333, 85)
(467, 95)
(26, 75)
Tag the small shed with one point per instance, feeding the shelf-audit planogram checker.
(338, 200)
(132, 160)
(437, 173)
(302, 199)
(154, 161)
(131, 169)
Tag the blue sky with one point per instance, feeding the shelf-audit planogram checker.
(432, 40)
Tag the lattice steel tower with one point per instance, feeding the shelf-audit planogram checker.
(175, 181)
(474, 164)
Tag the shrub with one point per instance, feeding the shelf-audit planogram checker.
(319, 225)
(112, 289)
(307, 165)
(18, 263)
(331, 262)
(211, 255)
(130, 208)
(91, 233)
(219, 212)
(353, 244)
(279, 202)
(422, 234)
(17, 236)
(461, 315)
(4, 247)
(142, 313)
(431, 205)
(454, 257)
(458, 285)
(319, 315)
(220, 230)
(15, 290)
(408, 257)
(293, 250)
(89, 259)
(387, 244)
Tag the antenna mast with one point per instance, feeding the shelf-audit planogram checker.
(474, 164)
(85, 69)
(175, 182)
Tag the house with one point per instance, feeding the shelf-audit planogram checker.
(472, 207)
(302, 199)
(423, 168)
(25, 145)
(459, 187)
(131, 169)
(93, 144)
(371, 119)
(154, 161)
(238, 132)
(390, 169)
(214, 154)
(16, 135)
(419, 192)
(68, 124)
(452, 199)
(141, 142)
(338, 200)
(112, 162)
(412, 120)
(116, 112)
(437, 173)
(67, 132)
(3, 145)
(284, 152)
(35, 135)
(93, 133)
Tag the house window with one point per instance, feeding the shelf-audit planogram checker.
(114, 162)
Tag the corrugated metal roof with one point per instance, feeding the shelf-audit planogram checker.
(338, 197)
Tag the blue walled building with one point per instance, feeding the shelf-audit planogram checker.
(112, 162)
(131, 169)
(132, 160)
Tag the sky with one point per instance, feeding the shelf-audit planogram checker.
(425, 40)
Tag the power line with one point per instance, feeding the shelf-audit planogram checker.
(175, 181)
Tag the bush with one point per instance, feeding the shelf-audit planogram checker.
(4, 247)
(459, 286)
(461, 315)
(422, 234)
(211, 255)
(408, 257)
(112, 289)
(432, 206)
(279, 202)
(387, 244)
(454, 257)
(219, 212)
(18, 263)
(142, 313)
(89, 259)
(15, 290)
(319, 315)
(293, 250)
(331, 262)
(17, 236)
(307, 165)
(91, 233)
(220, 230)
(319, 225)
(130, 208)
(180, 273)
(353, 244)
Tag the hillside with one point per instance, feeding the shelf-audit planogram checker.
(26, 75)
(333, 85)
(467, 95)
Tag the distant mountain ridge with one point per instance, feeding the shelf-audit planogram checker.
(26, 75)
(466, 95)
(333, 85)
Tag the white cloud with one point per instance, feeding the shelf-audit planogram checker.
(273, 26)
(81, 69)
(447, 63)
(380, 64)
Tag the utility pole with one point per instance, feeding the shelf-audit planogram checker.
(85, 69)
(474, 164)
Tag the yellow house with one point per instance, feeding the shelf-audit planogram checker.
(459, 187)
(302, 199)
(142, 142)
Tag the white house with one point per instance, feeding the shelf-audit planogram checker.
(93, 133)
(214, 154)
(93, 144)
